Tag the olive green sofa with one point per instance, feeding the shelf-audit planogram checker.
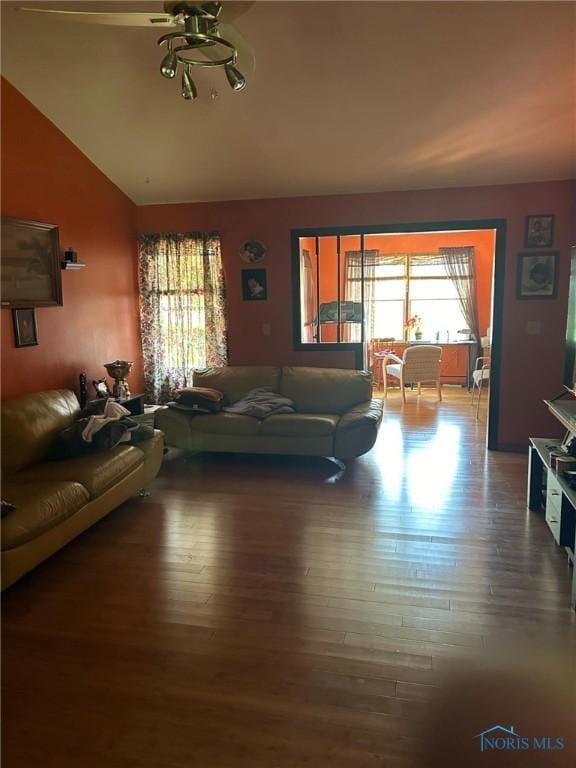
(57, 500)
(335, 414)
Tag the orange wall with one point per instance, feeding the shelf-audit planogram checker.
(532, 366)
(46, 178)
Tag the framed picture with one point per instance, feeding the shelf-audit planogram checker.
(252, 251)
(254, 285)
(537, 275)
(101, 388)
(30, 260)
(539, 231)
(25, 332)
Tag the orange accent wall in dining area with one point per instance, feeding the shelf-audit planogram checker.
(46, 178)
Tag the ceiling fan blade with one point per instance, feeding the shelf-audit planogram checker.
(246, 60)
(233, 9)
(130, 19)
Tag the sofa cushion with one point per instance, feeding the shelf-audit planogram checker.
(96, 472)
(300, 425)
(30, 424)
(325, 390)
(225, 424)
(39, 507)
(236, 380)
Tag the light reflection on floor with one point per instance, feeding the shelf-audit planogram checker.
(425, 475)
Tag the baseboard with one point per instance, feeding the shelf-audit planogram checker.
(513, 447)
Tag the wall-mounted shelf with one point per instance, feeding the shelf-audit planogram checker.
(72, 264)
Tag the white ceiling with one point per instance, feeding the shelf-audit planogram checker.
(346, 97)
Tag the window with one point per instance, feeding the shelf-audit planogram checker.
(183, 312)
(398, 287)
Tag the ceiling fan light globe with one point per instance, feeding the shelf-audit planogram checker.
(235, 78)
(189, 91)
(169, 65)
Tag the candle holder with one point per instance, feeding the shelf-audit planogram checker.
(118, 370)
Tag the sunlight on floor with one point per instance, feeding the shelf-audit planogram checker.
(424, 475)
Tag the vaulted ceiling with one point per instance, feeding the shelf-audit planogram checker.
(346, 97)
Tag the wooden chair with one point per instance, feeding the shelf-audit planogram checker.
(420, 363)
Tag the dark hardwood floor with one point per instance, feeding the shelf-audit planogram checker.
(260, 612)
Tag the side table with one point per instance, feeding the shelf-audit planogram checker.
(148, 416)
(134, 404)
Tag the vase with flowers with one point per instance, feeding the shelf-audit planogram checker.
(414, 327)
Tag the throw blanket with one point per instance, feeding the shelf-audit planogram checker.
(261, 403)
(113, 411)
(101, 426)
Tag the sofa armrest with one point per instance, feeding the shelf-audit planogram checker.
(153, 450)
(357, 429)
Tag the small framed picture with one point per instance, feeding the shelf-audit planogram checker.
(25, 332)
(537, 275)
(252, 251)
(539, 231)
(254, 285)
(101, 388)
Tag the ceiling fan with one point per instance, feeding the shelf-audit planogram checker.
(203, 37)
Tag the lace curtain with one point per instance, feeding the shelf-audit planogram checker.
(460, 267)
(353, 290)
(182, 309)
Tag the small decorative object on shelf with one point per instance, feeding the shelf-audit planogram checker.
(71, 260)
(118, 370)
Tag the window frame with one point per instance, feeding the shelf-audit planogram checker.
(408, 278)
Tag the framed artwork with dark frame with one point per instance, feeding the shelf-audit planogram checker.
(537, 275)
(25, 331)
(30, 259)
(254, 285)
(539, 231)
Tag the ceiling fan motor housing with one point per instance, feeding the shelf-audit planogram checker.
(187, 9)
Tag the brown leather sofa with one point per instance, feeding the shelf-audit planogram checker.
(57, 500)
(335, 414)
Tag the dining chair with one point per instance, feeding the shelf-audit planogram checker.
(419, 364)
(480, 374)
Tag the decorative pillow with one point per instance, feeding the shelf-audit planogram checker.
(205, 398)
(178, 406)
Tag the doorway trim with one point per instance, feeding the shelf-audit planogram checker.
(499, 225)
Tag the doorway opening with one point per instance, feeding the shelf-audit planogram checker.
(374, 290)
